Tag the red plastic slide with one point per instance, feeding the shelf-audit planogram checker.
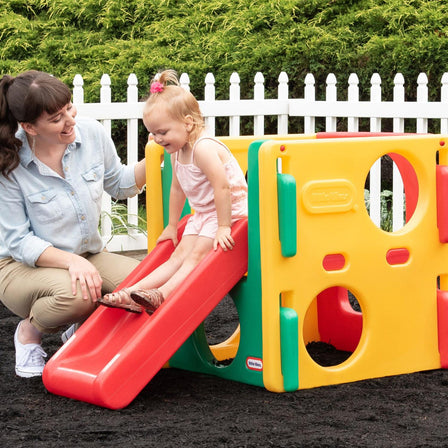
(114, 354)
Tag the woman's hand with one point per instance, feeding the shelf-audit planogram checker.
(169, 233)
(223, 238)
(90, 281)
(79, 268)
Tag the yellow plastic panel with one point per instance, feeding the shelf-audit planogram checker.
(398, 302)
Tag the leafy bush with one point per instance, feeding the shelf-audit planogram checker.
(386, 216)
(119, 37)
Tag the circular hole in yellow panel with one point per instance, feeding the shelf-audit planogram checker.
(391, 192)
(333, 326)
(220, 327)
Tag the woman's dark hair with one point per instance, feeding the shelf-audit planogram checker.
(23, 99)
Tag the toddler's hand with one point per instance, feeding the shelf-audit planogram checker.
(169, 233)
(223, 238)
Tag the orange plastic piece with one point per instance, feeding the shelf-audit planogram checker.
(339, 324)
(410, 183)
(442, 324)
(397, 256)
(442, 202)
(112, 357)
(357, 134)
(333, 262)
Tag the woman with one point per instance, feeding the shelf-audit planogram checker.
(53, 169)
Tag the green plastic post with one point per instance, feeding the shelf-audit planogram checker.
(287, 214)
(167, 174)
(289, 336)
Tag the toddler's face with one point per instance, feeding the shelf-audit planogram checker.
(166, 131)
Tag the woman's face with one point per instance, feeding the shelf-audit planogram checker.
(55, 129)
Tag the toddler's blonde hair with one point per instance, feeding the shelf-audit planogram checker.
(179, 103)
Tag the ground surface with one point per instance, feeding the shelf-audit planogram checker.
(182, 409)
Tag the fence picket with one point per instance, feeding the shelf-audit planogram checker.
(353, 97)
(132, 148)
(283, 93)
(422, 97)
(106, 98)
(209, 96)
(259, 96)
(310, 97)
(331, 97)
(444, 101)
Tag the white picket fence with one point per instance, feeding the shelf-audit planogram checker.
(283, 108)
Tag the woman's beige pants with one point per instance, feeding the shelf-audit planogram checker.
(45, 294)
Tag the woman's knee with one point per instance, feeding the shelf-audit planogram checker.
(113, 268)
(51, 314)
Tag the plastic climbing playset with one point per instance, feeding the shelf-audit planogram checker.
(306, 250)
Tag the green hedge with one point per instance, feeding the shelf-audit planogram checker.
(119, 37)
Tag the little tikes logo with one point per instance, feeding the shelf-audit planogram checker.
(254, 364)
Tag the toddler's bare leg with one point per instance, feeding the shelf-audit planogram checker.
(152, 298)
(203, 245)
(165, 271)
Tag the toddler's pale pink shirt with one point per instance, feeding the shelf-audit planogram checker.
(200, 194)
